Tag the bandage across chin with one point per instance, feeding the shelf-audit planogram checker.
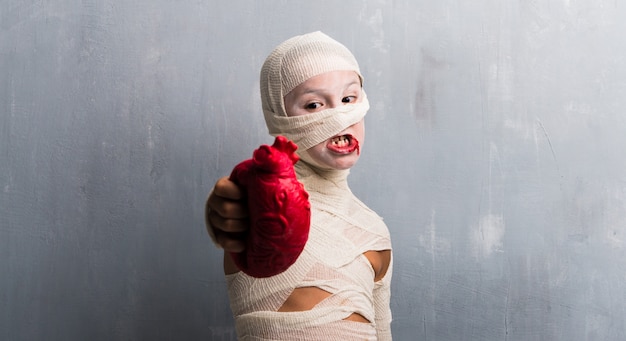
(309, 130)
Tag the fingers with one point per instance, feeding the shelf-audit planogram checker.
(228, 225)
(227, 189)
(230, 243)
(229, 233)
(226, 214)
(226, 200)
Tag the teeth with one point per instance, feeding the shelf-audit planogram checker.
(341, 141)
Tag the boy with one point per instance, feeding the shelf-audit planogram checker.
(339, 287)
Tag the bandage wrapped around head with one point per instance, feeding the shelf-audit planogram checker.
(290, 64)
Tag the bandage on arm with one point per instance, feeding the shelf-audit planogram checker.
(280, 212)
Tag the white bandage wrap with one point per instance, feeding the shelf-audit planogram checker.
(309, 130)
(342, 227)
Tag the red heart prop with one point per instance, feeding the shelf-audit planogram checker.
(280, 212)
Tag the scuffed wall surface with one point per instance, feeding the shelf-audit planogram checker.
(493, 151)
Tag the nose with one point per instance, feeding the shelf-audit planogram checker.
(334, 103)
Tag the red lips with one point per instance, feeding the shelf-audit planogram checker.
(344, 144)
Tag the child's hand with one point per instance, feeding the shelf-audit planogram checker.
(226, 215)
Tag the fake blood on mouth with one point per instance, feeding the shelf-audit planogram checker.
(344, 144)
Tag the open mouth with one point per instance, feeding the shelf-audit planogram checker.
(344, 144)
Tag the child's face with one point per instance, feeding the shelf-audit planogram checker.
(325, 91)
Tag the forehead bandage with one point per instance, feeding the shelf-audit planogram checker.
(289, 65)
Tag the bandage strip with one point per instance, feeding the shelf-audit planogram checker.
(309, 130)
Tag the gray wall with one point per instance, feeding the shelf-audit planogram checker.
(494, 152)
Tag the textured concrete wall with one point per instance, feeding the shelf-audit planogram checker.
(494, 152)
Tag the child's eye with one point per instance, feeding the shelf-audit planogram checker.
(348, 99)
(313, 105)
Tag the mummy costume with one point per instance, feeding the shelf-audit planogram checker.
(342, 227)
